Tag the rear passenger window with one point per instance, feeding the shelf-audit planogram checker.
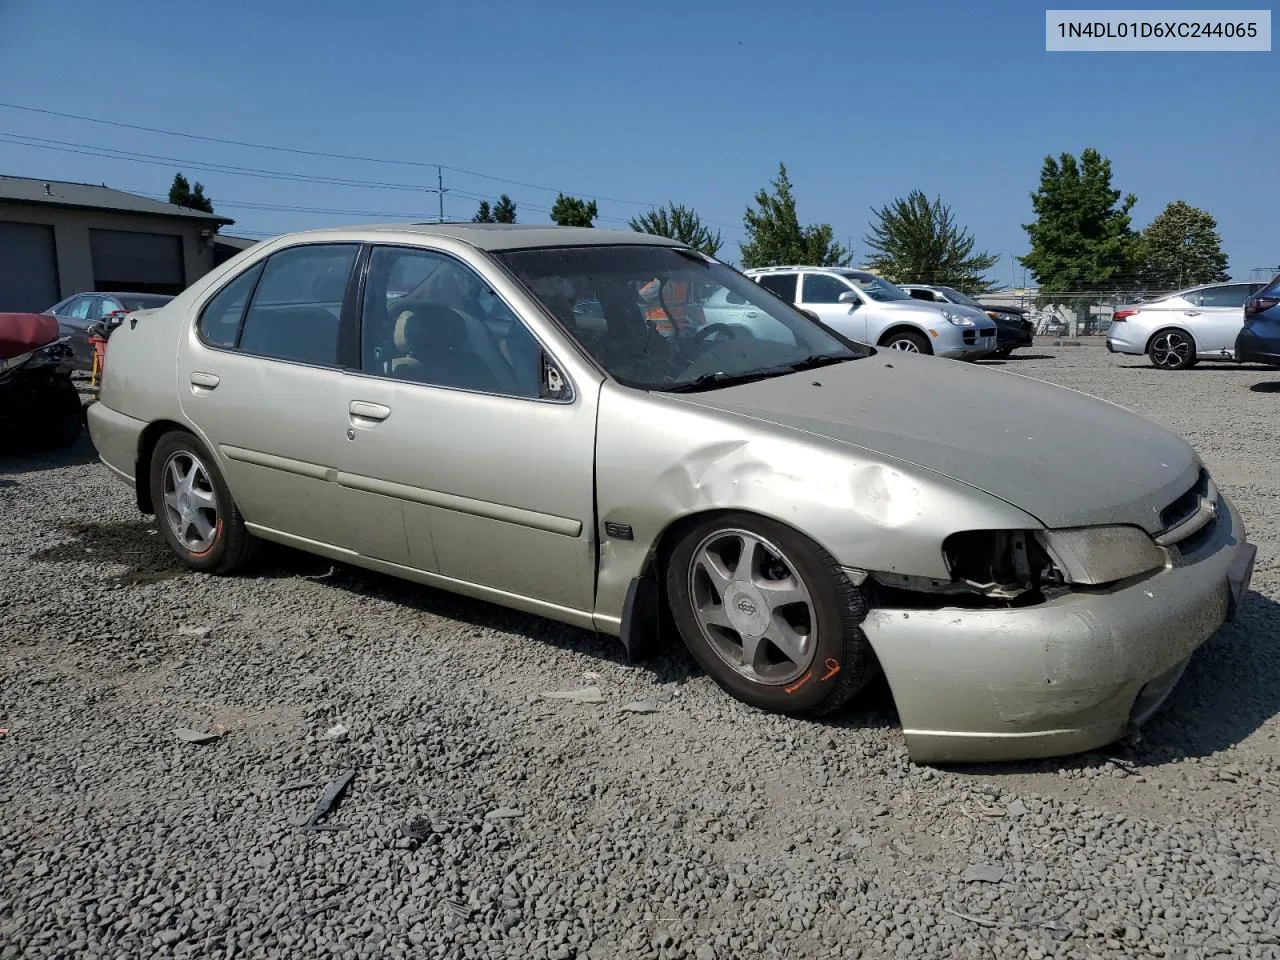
(219, 323)
(821, 288)
(297, 309)
(783, 284)
(1229, 295)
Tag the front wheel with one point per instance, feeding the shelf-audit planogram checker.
(908, 341)
(1172, 350)
(769, 615)
(198, 518)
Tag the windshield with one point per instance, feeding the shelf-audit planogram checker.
(659, 318)
(955, 296)
(877, 288)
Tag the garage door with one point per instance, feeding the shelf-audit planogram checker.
(28, 268)
(136, 262)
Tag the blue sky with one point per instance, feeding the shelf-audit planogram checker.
(647, 102)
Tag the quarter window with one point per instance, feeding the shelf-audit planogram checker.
(428, 318)
(821, 288)
(296, 311)
(219, 323)
(783, 284)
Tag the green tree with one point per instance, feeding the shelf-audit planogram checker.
(1181, 248)
(774, 234)
(681, 223)
(573, 212)
(1081, 239)
(184, 195)
(504, 211)
(913, 239)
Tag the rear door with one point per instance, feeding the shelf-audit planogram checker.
(259, 376)
(821, 292)
(1217, 315)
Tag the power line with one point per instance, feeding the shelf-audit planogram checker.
(327, 155)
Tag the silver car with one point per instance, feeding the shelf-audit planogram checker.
(872, 310)
(489, 410)
(1179, 330)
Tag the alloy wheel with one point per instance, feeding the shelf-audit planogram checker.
(1171, 350)
(190, 502)
(753, 607)
(904, 344)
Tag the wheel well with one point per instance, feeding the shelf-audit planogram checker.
(142, 465)
(1184, 330)
(647, 625)
(903, 328)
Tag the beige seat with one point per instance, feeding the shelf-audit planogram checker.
(432, 346)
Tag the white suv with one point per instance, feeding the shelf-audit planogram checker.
(871, 310)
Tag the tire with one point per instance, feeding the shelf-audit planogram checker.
(908, 341)
(211, 537)
(1172, 349)
(834, 661)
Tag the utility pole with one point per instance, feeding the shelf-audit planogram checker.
(440, 190)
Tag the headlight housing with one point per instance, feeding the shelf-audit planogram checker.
(956, 319)
(1092, 556)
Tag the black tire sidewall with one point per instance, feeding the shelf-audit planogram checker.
(168, 445)
(921, 342)
(808, 693)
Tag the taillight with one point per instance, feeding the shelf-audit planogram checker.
(1259, 305)
(1122, 314)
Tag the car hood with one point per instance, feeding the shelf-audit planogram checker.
(1064, 457)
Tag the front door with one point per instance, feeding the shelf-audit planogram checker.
(259, 376)
(821, 293)
(460, 421)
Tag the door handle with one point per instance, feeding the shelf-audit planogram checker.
(206, 380)
(1192, 313)
(363, 410)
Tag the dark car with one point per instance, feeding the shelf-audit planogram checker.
(77, 313)
(1259, 339)
(1013, 329)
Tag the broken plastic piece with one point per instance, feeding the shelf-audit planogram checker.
(984, 873)
(196, 736)
(639, 706)
(326, 804)
(585, 695)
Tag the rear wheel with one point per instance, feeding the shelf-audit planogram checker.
(198, 518)
(1172, 350)
(908, 341)
(769, 615)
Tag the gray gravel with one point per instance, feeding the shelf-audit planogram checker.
(485, 820)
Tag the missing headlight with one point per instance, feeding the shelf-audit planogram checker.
(999, 563)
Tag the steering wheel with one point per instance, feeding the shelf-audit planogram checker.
(734, 330)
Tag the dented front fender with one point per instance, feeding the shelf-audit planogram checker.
(659, 460)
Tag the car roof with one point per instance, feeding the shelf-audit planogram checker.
(496, 236)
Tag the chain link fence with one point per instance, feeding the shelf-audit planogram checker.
(1084, 314)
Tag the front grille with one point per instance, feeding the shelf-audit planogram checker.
(1185, 505)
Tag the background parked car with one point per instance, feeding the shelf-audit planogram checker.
(1259, 339)
(1179, 330)
(1013, 330)
(872, 310)
(77, 313)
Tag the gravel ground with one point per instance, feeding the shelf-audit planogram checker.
(486, 821)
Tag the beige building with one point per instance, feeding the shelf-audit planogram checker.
(58, 239)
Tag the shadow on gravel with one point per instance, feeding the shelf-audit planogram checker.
(1267, 386)
(1030, 356)
(669, 663)
(32, 461)
(1231, 688)
(136, 544)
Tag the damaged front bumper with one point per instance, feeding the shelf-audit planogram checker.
(1064, 676)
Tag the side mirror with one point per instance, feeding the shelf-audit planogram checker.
(851, 299)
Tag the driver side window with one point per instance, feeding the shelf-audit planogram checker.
(822, 288)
